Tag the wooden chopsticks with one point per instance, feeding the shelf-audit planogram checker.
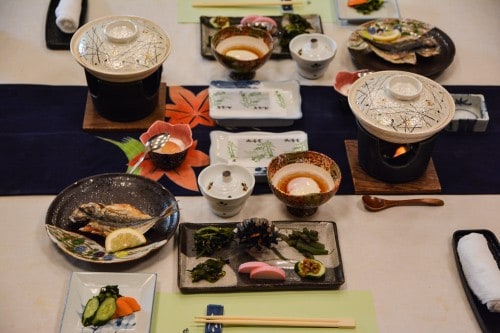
(277, 321)
(245, 3)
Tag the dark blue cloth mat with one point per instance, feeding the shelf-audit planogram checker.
(44, 148)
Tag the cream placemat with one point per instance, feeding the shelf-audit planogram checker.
(175, 311)
(187, 14)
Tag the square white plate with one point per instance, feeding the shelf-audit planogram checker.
(84, 285)
(389, 9)
(255, 103)
(254, 150)
(471, 114)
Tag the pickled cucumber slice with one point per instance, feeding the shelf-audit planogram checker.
(90, 310)
(105, 311)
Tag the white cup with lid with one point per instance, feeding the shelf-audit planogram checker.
(312, 53)
(226, 187)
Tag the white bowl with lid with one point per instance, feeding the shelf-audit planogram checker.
(226, 187)
(120, 48)
(401, 107)
(313, 53)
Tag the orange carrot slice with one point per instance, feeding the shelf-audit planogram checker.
(353, 3)
(122, 308)
(132, 302)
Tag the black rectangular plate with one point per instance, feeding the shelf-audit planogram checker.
(281, 256)
(487, 320)
(55, 39)
(207, 31)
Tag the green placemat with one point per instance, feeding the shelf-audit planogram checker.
(174, 311)
(187, 14)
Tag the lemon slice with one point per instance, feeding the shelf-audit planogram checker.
(386, 36)
(123, 238)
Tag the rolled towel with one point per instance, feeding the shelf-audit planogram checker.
(480, 269)
(68, 15)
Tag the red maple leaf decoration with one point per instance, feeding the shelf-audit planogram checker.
(189, 108)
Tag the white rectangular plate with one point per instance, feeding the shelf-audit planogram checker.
(254, 150)
(85, 285)
(390, 9)
(255, 103)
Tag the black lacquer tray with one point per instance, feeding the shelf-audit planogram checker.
(281, 255)
(487, 320)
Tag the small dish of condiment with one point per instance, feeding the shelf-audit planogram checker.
(174, 151)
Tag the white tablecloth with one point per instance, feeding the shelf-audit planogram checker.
(402, 255)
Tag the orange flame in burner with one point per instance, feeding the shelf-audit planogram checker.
(400, 151)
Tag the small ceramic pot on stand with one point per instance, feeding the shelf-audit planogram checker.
(122, 57)
(399, 116)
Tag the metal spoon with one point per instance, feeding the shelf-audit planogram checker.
(375, 204)
(154, 143)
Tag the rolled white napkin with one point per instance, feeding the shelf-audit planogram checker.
(480, 269)
(68, 15)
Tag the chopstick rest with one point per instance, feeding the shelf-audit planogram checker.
(480, 269)
(277, 321)
(68, 15)
(214, 310)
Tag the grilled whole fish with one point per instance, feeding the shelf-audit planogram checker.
(411, 37)
(102, 219)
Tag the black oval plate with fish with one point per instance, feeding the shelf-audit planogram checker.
(487, 320)
(429, 67)
(143, 193)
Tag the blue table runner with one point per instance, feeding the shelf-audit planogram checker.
(45, 149)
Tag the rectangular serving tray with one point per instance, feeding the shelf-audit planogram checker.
(389, 9)
(255, 149)
(207, 31)
(281, 255)
(255, 103)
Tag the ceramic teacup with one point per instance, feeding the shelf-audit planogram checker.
(312, 53)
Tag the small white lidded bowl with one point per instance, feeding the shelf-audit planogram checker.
(226, 187)
(312, 53)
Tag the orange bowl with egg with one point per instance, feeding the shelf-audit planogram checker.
(303, 180)
(174, 152)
